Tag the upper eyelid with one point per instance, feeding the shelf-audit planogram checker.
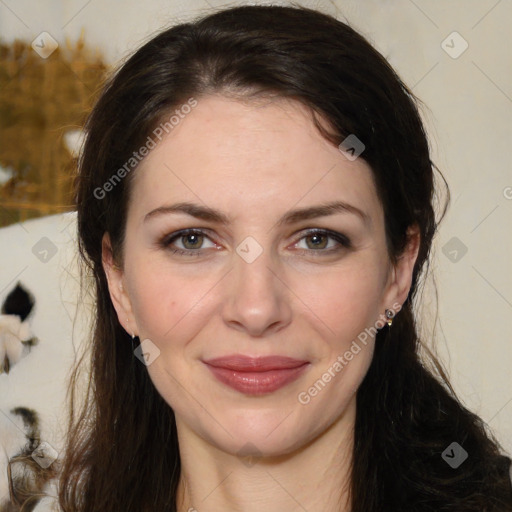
(184, 232)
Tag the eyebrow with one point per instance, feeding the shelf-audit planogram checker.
(210, 214)
(194, 210)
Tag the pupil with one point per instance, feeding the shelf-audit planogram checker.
(192, 240)
(317, 240)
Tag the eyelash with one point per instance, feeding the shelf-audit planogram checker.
(341, 239)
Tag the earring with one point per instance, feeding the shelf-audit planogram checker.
(133, 343)
(390, 314)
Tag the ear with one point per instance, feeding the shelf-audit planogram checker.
(400, 279)
(116, 286)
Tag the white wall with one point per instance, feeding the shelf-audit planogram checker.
(469, 101)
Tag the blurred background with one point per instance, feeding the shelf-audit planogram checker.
(455, 56)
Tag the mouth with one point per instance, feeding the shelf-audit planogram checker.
(256, 375)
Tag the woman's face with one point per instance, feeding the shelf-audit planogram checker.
(268, 270)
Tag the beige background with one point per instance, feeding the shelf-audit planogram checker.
(469, 110)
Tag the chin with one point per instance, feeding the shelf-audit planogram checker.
(256, 433)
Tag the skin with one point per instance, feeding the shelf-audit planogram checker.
(254, 162)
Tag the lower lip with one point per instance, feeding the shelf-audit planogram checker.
(257, 383)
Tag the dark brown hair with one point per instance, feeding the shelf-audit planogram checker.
(123, 453)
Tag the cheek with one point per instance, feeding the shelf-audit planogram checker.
(346, 300)
(342, 300)
(163, 298)
(347, 303)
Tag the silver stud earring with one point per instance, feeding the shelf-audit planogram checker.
(390, 314)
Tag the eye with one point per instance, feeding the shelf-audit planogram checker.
(323, 241)
(187, 242)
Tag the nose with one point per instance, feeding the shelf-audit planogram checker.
(257, 300)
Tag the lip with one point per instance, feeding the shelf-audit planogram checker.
(256, 375)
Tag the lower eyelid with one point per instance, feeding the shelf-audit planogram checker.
(186, 252)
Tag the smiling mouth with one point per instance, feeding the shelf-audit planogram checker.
(256, 376)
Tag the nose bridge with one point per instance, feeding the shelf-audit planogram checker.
(257, 297)
(257, 273)
(253, 270)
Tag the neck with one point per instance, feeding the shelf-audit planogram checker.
(315, 477)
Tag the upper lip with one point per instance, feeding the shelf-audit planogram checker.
(238, 362)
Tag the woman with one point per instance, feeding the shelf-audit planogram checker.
(255, 205)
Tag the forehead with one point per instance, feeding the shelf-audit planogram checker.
(250, 156)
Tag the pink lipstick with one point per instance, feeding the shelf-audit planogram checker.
(256, 375)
